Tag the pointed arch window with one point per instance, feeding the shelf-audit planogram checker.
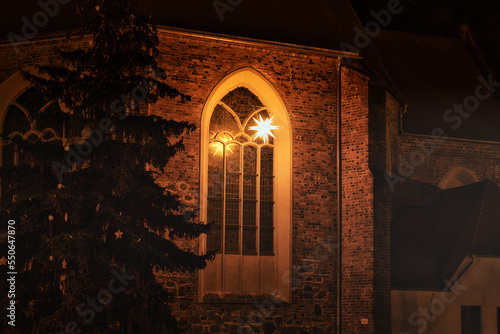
(240, 178)
(30, 116)
(246, 189)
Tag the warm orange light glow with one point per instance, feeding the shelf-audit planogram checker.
(219, 147)
(264, 128)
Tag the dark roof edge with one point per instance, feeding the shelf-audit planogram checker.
(487, 256)
(477, 54)
(258, 42)
(212, 36)
(470, 42)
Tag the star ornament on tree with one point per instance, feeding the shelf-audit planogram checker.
(264, 128)
(118, 234)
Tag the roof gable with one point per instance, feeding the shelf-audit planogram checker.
(430, 244)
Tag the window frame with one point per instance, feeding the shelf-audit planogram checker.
(468, 310)
(265, 91)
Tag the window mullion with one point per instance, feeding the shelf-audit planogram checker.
(240, 184)
(257, 203)
(223, 214)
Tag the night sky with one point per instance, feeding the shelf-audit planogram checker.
(443, 18)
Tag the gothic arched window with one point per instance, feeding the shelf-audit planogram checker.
(30, 117)
(240, 177)
(246, 141)
(457, 177)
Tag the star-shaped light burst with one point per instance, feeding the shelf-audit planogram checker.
(118, 234)
(264, 128)
(64, 264)
(219, 147)
(3, 261)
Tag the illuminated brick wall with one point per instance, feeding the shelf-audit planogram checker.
(307, 85)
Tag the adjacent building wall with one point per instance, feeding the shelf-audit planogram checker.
(435, 312)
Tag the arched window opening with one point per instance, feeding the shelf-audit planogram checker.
(241, 178)
(29, 116)
(246, 188)
(457, 177)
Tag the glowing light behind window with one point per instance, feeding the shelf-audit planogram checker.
(219, 147)
(264, 128)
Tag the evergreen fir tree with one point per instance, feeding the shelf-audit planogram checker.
(92, 225)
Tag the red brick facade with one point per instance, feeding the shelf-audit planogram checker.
(306, 82)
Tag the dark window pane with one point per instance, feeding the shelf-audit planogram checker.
(250, 201)
(51, 118)
(233, 158)
(232, 239)
(214, 237)
(266, 188)
(266, 241)
(232, 214)
(33, 100)
(215, 196)
(15, 121)
(250, 160)
(243, 102)
(266, 202)
(215, 184)
(223, 120)
(266, 214)
(250, 188)
(233, 186)
(471, 319)
(249, 227)
(266, 162)
(8, 154)
(498, 320)
(249, 240)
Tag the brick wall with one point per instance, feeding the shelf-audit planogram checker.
(42, 51)
(483, 158)
(357, 207)
(420, 187)
(307, 85)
